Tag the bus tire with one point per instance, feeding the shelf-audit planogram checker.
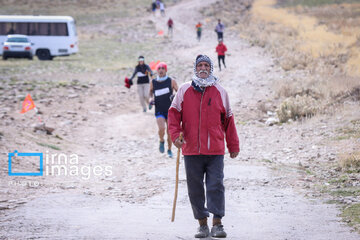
(43, 54)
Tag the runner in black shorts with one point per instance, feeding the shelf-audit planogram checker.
(162, 89)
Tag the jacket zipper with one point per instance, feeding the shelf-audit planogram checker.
(208, 141)
(208, 144)
(202, 94)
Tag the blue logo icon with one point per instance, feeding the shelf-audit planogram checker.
(40, 155)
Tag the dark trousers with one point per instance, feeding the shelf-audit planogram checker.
(223, 60)
(198, 35)
(170, 30)
(212, 167)
(220, 35)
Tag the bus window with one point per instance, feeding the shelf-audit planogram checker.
(32, 29)
(10, 28)
(36, 28)
(42, 29)
(3, 28)
(7, 28)
(63, 29)
(58, 29)
(21, 28)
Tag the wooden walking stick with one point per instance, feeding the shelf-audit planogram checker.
(177, 179)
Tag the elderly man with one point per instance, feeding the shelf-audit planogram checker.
(201, 111)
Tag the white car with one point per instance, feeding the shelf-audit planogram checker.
(17, 46)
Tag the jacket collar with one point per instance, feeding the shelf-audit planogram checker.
(196, 87)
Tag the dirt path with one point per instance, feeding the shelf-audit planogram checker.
(136, 201)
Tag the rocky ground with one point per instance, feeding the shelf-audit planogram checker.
(280, 186)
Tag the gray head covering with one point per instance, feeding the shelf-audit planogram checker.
(204, 82)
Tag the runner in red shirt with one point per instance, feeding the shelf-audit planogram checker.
(221, 49)
(170, 24)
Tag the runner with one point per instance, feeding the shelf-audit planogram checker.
(162, 8)
(142, 70)
(170, 24)
(162, 88)
(221, 49)
(201, 110)
(153, 6)
(219, 29)
(198, 31)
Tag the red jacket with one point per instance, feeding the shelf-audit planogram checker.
(221, 49)
(205, 119)
(170, 23)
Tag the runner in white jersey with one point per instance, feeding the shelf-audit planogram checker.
(161, 90)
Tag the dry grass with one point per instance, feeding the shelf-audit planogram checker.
(332, 88)
(351, 130)
(86, 12)
(299, 86)
(324, 41)
(306, 97)
(328, 57)
(352, 215)
(312, 3)
(263, 107)
(350, 161)
(297, 107)
(342, 88)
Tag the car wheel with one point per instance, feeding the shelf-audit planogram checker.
(30, 57)
(4, 57)
(43, 54)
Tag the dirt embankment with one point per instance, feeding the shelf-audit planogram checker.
(321, 41)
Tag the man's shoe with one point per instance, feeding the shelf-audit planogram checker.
(203, 232)
(218, 231)
(151, 103)
(162, 147)
(170, 154)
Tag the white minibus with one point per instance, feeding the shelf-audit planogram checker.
(51, 35)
